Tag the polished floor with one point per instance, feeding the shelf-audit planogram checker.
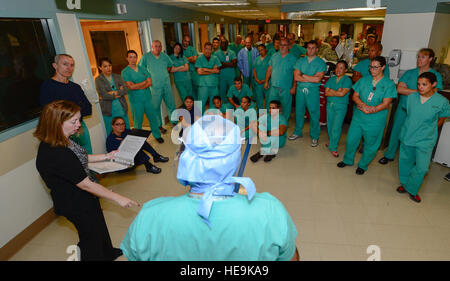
(338, 214)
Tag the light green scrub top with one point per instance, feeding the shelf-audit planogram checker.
(229, 72)
(420, 128)
(261, 65)
(180, 61)
(297, 51)
(169, 229)
(211, 79)
(239, 114)
(363, 68)
(130, 75)
(157, 67)
(345, 83)
(245, 91)
(410, 78)
(266, 123)
(282, 70)
(384, 89)
(191, 52)
(305, 67)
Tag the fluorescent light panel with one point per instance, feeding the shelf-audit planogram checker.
(223, 4)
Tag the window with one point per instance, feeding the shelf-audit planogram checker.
(26, 56)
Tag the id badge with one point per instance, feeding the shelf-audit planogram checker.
(369, 99)
(227, 58)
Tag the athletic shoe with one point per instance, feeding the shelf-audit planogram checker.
(415, 198)
(314, 143)
(335, 153)
(401, 189)
(294, 137)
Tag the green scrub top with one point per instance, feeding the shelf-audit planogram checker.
(239, 113)
(420, 128)
(190, 52)
(384, 89)
(235, 48)
(261, 65)
(245, 91)
(157, 67)
(228, 56)
(269, 124)
(410, 78)
(297, 51)
(211, 79)
(345, 83)
(305, 67)
(363, 68)
(130, 75)
(169, 228)
(282, 70)
(180, 61)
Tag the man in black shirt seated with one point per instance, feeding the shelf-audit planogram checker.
(119, 133)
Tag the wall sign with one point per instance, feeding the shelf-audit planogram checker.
(104, 7)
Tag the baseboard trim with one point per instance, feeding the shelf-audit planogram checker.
(21, 239)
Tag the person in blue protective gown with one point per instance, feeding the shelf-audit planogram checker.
(372, 97)
(207, 67)
(59, 87)
(406, 86)
(212, 222)
(308, 74)
(280, 73)
(419, 133)
(111, 90)
(337, 91)
(159, 64)
(139, 81)
(245, 59)
(272, 132)
(180, 70)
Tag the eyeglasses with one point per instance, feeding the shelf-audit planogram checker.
(374, 67)
(119, 124)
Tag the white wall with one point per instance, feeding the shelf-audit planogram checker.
(440, 38)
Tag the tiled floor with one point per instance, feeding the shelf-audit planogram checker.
(338, 214)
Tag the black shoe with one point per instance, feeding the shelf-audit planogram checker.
(256, 157)
(384, 160)
(116, 252)
(447, 177)
(359, 171)
(341, 164)
(361, 150)
(160, 140)
(160, 158)
(162, 130)
(152, 168)
(269, 158)
(401, 189)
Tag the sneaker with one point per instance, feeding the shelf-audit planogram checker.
(385, 160)
(335, 153)
(256, 157)
(162, 130)
(415, 198)
(269, 158)
(314, 143)
(360, 171)
(401, 189)
(160, 140)
(294, 137)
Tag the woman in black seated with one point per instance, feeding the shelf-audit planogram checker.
(119, 132)
(63, 165)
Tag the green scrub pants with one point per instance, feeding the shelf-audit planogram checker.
(139, 108)
(184, 89)
(372, 136)
(335, 118)
(83, 139)
(394, 142)
(260, 94)
(413, 165)
(159, 94)
(205, 92)
(284, 97)
(307, 98)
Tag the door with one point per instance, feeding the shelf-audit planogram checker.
(110, 44)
